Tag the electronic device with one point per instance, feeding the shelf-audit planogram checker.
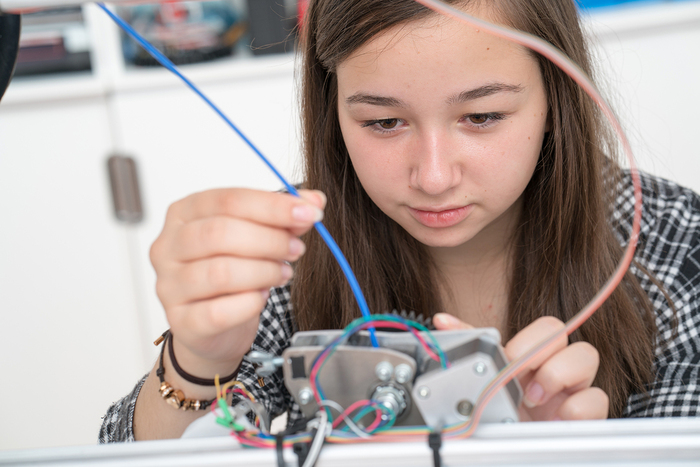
(402, 376)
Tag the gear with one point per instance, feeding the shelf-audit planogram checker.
(412, 316)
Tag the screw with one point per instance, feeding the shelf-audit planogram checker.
(423, 392)
(403, 373)
(480, 368)
(384, 370)
(305, 396)
(465, 407)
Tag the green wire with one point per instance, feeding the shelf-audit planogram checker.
(227, 420)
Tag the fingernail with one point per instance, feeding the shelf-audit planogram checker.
(306, 213)
(322, 195)
(533, 395)
(286, 272)
(296, 247)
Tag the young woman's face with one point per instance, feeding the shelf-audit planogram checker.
(444, 126)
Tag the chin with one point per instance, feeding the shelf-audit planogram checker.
(439, 239)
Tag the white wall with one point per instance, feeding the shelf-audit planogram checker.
(650, 60)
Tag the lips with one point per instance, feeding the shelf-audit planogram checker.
(438, 219)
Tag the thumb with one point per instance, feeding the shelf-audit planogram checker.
(446, 322)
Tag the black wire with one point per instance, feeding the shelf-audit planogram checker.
(302, 451)
(10, 26)
(435, 442)
(280, 450)
(295, 428)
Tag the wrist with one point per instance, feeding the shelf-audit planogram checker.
(196, 370)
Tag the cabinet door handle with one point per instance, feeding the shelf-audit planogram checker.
(125, 189)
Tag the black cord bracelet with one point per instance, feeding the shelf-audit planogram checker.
(168, 337)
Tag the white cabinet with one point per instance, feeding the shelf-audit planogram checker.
(69, 335)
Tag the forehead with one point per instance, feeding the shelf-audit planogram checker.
(439, 49)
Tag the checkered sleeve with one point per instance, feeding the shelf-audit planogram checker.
(670, 249)
(118, 422)
(274, 335)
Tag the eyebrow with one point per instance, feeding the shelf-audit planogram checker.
(465, 96)
(382, 101)
(483, 91)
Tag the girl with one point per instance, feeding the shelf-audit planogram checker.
(466, 178)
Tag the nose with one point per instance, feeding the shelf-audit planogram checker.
(436, 168)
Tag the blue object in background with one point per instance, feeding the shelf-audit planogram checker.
(600, 3)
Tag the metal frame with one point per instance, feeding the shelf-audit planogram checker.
(613, 443)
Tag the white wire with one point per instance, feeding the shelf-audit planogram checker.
(317, 443)
(349, 421)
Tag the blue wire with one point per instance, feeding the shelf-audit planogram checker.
(320, 228)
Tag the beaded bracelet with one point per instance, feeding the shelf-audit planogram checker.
(175, 397)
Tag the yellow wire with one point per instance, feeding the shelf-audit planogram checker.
(240, 385)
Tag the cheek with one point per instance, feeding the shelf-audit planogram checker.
(376, 164)
(504, 165)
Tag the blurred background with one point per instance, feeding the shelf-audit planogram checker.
(96, 142)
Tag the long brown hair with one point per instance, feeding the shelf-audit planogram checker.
(564, 247)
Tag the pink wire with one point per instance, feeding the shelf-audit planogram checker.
(571, 69)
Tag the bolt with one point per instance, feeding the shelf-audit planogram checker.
(403, 373)
(384, 370)
(305, 396)
(391, 398)
(465, 407)
(480, 368)
(423, 392)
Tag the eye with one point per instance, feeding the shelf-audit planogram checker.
(384, 125)
(485, 120)
(388, 124)
(478, 119)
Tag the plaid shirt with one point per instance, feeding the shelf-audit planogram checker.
(669, 248)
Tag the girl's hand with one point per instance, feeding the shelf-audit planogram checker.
(557, 385)
(218, 255)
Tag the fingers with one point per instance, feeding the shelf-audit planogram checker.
(446, 322)
(557, 382)
(221, 235)
(218, 255)
(532, 335)
(273, 209)
(587, 404)
(570, 370)
(218, 276)
(316, 197)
